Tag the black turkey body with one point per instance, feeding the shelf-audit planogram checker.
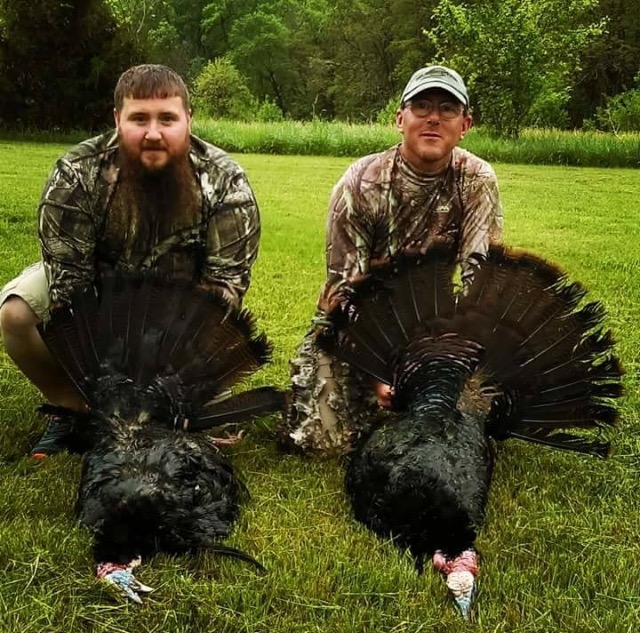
(155, 361)
(512, 355)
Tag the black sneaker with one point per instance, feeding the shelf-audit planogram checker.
(54, 439)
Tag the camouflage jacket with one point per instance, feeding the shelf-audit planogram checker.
(381, 206)
(77, 238)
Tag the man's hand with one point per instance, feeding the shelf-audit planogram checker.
(384, 394)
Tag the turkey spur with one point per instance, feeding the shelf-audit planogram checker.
(155, 361)
(516, 354)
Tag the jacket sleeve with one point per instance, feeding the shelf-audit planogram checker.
(482, 220)
(66, 230)
(233, 237)
(350, 231)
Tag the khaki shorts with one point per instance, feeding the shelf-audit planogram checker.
(31, 286)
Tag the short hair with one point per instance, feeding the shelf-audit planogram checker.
(150, 81)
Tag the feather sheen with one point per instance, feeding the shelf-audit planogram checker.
(523, 312)
(513, 354)
(154, 360)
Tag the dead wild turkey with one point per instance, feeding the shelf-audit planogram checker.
(513, 356)
(155, 361)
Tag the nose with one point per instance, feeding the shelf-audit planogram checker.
(153, 132)
(434, 115)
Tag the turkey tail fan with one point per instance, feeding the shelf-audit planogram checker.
(134, 310)
(183, 328)
(210, 342)
(157, 323)
(145, 299)
(72, 337)
(147, 328)
(342, 341)
(378, 313)
(550, 357)
(110, 327)
(238, 408)
(546, 360)
(223, 367)
(412, 290)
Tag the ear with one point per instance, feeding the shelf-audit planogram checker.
(467, 122)
(400, 120)
(116, 118)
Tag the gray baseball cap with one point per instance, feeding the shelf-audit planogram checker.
(436, 77)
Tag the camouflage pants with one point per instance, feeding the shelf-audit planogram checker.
(332, 404)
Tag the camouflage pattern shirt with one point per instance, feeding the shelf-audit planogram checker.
(381, 206)
(216, 245)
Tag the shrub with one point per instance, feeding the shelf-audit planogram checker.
(221, 92)
(549, 110)
(622, 112)
(269, 112)
(387, 116)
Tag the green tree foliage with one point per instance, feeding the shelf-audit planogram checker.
(410, 47)
(59, 63)
(621, 113)
(276, 46)
(218, 19)
(221, 92)
(134, 17)
(611, 62)
(527, 62)
(375, 46)
(170, 32)
(514, 53)
(363, 64)
(261, 42)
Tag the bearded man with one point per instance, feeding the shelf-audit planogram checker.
(149, 196)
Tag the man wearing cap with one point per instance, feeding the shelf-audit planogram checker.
(424, 190)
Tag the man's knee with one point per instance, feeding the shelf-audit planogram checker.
(17, 318)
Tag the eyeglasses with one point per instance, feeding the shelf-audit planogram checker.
(446, 109)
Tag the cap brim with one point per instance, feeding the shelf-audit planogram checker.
(436, 84)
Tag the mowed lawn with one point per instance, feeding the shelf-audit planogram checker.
(560, 547)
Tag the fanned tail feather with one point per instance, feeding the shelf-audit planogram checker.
(565, 441)
(221, 370)
(548, 354)
(546, 359)
(72, 339)
(239, 407)
(144, 330)
(150, 329)
(380, 313)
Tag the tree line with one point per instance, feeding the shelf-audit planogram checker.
(547, 63)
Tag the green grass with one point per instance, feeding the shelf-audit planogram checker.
(561, 541)
(318, 138)
(332, 138)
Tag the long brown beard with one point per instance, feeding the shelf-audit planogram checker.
(148, 207)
